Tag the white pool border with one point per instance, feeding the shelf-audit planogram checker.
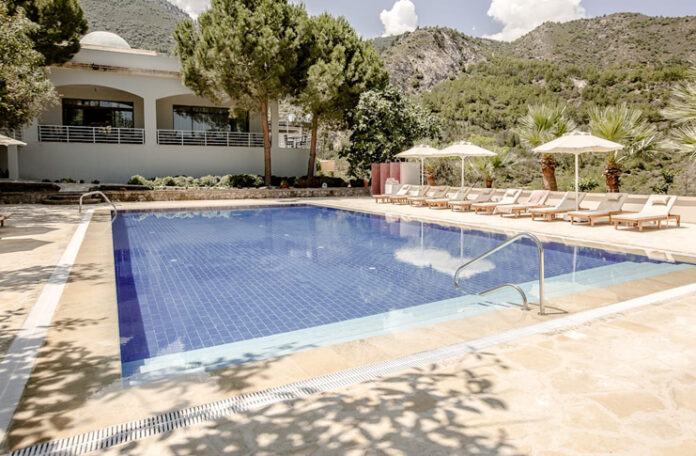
(18, 362)
(139, 429)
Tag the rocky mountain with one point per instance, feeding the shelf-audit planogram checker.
(419, 60)
(608, 40)
(145, 24)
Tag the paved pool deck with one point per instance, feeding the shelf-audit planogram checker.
(75, 386)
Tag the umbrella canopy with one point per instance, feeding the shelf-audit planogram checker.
(577, 143)
(465, 149)
(421, 151)
(7, 141)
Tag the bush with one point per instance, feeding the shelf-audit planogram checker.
(587, 184)
(357, 183)
(208, 181)
(136, 180)
(246, 181)
(332, 181)
(167, 181)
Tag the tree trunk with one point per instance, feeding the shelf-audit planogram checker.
(430, 176)
(548, 171)
(266, 143)
(612, 174)
(312, 150)
(489, 182)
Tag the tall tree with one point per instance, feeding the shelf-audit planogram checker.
(24, 86)
(384, 123)
(61, 23)
(682, 112)
(245, 51)
(542, 124)
(340, 66)
(625, 126)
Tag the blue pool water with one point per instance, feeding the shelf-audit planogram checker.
(209, 288)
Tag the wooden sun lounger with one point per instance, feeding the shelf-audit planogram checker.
(403, 199)
(537, 197)
(639, 222)
(431, 193)
(386, 198)
(3, 218)
(566, 205)
(609, 206)
(443, 203)
(463, 206)
(592, 217)
(656, 210)
(510, 197)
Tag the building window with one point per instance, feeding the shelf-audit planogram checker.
(201, 118)
(97, 113)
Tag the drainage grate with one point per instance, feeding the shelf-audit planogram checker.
(139, 429)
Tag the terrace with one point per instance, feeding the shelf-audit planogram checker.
(580, 403)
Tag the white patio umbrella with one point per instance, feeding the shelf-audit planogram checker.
(421, 151)
(7, 141)
(577, 143)
(465, 149)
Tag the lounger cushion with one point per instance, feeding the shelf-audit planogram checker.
(660, 200)
(614, 196)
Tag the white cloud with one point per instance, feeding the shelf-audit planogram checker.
(192, 7)
(521, 16)
(401, 18)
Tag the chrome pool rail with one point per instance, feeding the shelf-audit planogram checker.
(106, 198)
(540, 247)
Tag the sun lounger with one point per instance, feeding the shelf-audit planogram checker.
(536, 199)
(4, 217)
(481, 197)
(413, 191)
(510, 197)
(610, 205)
(656, 210)
(431, 193)
(387, 197)
(566, 204)
(454, 195)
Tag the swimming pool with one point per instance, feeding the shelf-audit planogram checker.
(204, 289)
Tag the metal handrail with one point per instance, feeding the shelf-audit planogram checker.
(542, 304)
(91, 135)
(105, 198)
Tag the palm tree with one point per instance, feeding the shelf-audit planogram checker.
(542, 124)
(682, 111)
(625, 126)
(490, 167)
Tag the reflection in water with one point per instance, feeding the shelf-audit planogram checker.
(441, 260)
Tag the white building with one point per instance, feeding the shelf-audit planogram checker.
(125, 111)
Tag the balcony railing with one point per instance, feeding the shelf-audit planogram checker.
(93, 135)
(209, 138)
(295, 141)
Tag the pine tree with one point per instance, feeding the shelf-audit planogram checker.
(245, 51)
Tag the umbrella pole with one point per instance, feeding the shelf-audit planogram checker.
(577, 204)
(422, 170)
(462, 181)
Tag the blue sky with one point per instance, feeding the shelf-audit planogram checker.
(506, 19)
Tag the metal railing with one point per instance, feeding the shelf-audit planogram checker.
(540, 247)
(209, 138)
(91, 135)
(106, 198)
(295, 141)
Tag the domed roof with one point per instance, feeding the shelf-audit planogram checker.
(107, 39)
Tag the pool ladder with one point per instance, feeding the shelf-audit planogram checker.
(525, 301)
(106, 198)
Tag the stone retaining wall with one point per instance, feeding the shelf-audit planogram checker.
(199, 194)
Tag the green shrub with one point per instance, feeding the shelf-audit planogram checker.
(226, 181)
(246, 181)
(208, 181)
(357, 183)
(137, 180)
(332, 181)
(168, 181)
(587, 184)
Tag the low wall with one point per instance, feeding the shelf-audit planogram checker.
(198, 194)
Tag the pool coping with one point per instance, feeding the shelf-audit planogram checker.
(131, 431)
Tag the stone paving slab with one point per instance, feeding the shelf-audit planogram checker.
(622, 386)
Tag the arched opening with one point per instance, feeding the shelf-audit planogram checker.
(96, 114)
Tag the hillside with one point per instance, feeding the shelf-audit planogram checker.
(145, 24)
(616, 38)
(418, 60)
